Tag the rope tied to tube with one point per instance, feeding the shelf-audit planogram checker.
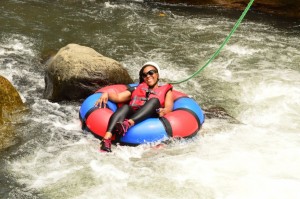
(221, 47)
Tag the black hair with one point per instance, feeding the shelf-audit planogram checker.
(141, 74)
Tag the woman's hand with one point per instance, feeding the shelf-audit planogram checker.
(161, 112)
(102, 101)
(169, 103)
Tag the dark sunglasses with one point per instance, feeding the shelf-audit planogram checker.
(150, 72)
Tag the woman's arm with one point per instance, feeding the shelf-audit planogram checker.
(115, 97)
(169, 102)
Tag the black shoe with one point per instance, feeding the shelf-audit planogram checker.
(105, 145)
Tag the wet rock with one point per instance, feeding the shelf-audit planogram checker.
(76, 72)
(10, 104)
(220, 113)
(7, 137)
(287, 8)
(10, 100)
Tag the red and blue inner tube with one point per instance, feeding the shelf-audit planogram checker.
(184, 121)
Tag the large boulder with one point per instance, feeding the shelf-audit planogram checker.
(10, 100)
(287, 8)
(10, 105)
(76, 72)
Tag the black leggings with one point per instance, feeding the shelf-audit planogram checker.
(146, 111)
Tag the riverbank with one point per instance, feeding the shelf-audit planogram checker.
(288, 8)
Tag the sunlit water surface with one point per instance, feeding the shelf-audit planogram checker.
(256, 79)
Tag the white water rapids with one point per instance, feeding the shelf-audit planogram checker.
(256, 79)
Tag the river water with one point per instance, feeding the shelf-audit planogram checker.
(256, 79)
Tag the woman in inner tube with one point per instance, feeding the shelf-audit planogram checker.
(148, 99)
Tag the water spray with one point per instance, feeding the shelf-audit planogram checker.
(221, 47)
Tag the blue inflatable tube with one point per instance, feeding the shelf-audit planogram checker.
(89, 105)
(139, 134)
(184, 121)
(190, 104)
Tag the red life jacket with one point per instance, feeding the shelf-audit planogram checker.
(142, 93)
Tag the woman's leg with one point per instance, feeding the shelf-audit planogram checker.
(119, 116)
(149, 109)
(146, 111)
(116, 117)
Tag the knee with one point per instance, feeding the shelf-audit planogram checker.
(155, 102)
(125, 107)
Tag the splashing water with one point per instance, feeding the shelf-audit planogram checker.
(256, 78)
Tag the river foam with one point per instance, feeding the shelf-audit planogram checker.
(255, 79)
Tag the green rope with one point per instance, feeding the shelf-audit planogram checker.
(221, 47)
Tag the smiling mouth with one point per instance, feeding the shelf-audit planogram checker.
(149, 79)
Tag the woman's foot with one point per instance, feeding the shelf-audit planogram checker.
(122, 127)
(105, 145)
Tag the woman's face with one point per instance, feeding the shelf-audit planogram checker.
(150, 76)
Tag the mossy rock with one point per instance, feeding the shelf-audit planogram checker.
(10, 104)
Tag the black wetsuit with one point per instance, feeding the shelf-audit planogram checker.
(149, 109)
